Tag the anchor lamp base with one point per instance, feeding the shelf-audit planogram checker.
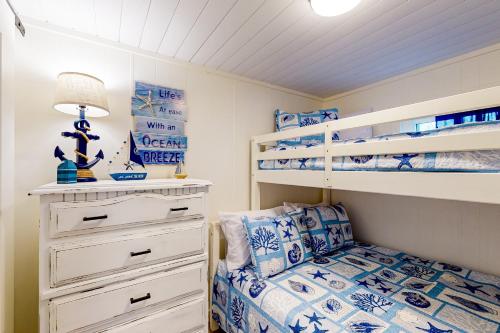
(85, 175)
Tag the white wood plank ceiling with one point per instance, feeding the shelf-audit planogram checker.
(281, 41)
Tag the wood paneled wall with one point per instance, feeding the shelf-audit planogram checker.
(461, 233)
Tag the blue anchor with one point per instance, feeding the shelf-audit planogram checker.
(82, 127)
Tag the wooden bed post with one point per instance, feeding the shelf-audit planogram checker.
(254, 185)
(328, 165)
(214, 256)
(327, 196)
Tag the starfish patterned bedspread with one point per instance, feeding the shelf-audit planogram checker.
(476, 161)
(362, 288)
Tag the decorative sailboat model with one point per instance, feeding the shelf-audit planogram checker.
(127, 165)
(179, 171)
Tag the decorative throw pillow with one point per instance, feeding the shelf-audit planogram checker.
(275, 244)
(292, 206)
(300, 221)
(238, 252)
(329, 228)
(286, 121)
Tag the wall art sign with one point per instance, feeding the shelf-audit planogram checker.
(159, 102)
(159, 141)
(159, 126)
(159, 115)
(162, 156)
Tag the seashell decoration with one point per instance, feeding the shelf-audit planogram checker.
(301, 287)
(331, 306)
(336, 284)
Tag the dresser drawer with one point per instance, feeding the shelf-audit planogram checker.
(116, 302)
(93, 216)
(79, 261)
(183, 318)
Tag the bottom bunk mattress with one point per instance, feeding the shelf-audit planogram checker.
(363, 288)
(471, 161)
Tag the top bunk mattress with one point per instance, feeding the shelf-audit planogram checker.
(363, 288)
(469, 161)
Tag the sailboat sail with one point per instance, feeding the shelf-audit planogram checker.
(134, 152)
(126, 169)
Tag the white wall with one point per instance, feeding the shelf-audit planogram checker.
(6, 168)
(461, 233)
(224, 112)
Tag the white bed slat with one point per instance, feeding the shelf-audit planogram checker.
(295, 153)
(473, 187)
(435, 144)
(309, 178)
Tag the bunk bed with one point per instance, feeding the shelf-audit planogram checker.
(363, 287)
(480, 186)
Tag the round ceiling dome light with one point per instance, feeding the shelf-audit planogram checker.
(333, 7)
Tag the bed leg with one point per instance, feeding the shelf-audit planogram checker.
(327, 196)
(255, 200)
(214, 256)
(213, 326)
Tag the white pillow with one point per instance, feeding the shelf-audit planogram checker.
(238, 251)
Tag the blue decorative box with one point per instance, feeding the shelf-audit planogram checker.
(66, 172)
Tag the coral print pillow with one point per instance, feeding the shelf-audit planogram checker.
(286, 121)
(275, 244)
(329, 228)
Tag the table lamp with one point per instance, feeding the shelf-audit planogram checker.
(83, 95)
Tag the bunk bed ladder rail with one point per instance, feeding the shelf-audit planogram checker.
(329, 152)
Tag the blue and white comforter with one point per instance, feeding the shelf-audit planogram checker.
(362, 288)
(472, 161)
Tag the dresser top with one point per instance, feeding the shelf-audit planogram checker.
(111, 185)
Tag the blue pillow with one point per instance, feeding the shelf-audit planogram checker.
(300, 221)
(329, 228)
(275, 244)
(286, 121)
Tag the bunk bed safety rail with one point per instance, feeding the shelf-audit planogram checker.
(479, 99)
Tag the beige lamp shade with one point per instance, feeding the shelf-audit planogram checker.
(78, 89)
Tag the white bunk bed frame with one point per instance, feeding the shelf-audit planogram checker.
(473, 187)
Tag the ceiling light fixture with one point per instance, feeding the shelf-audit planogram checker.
(333, 7)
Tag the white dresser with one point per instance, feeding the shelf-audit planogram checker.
(124, 256)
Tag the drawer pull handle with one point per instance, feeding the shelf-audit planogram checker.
(178, 209)
(140, 299)
(93, 218)
(133, 254)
